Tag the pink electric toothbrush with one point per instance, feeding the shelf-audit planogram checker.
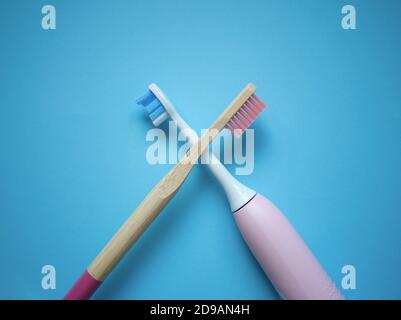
(283, 255)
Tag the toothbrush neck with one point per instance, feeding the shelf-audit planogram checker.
(237, 193)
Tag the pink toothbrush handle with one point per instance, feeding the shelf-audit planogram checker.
(83, 288)
(283, 255)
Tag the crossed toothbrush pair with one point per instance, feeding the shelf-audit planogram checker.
(281, 252)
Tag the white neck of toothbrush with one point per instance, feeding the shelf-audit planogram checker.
(238, 194)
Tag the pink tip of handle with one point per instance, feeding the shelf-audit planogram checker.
(83, 288)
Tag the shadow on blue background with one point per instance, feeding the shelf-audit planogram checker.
(73, 141)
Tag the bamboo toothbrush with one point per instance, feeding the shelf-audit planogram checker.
(285, 258)
(151, 206)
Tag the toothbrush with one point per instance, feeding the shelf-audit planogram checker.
(154, 202)
(281, 252)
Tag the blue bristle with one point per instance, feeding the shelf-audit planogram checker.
(153, 106)
(146, 99)
(157, 112)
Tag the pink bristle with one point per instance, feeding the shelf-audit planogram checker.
(233, 124)
(245, 116)
(257, 106)
(251, 120)
(261, 103)
(227, 126)
(251, 111)
(238, 123)
(246, 122)
(237, 128)
(255, 110)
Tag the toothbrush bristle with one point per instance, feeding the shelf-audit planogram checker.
(154, 107)
(245, 116)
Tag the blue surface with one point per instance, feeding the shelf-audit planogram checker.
(73, 164)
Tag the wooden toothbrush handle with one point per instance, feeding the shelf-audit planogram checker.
(119, 244)
(127, 235)
(139, 221)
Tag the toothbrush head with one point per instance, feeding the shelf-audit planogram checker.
(246, 115)
(154, 107)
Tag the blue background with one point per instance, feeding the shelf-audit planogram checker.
(72, 140)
